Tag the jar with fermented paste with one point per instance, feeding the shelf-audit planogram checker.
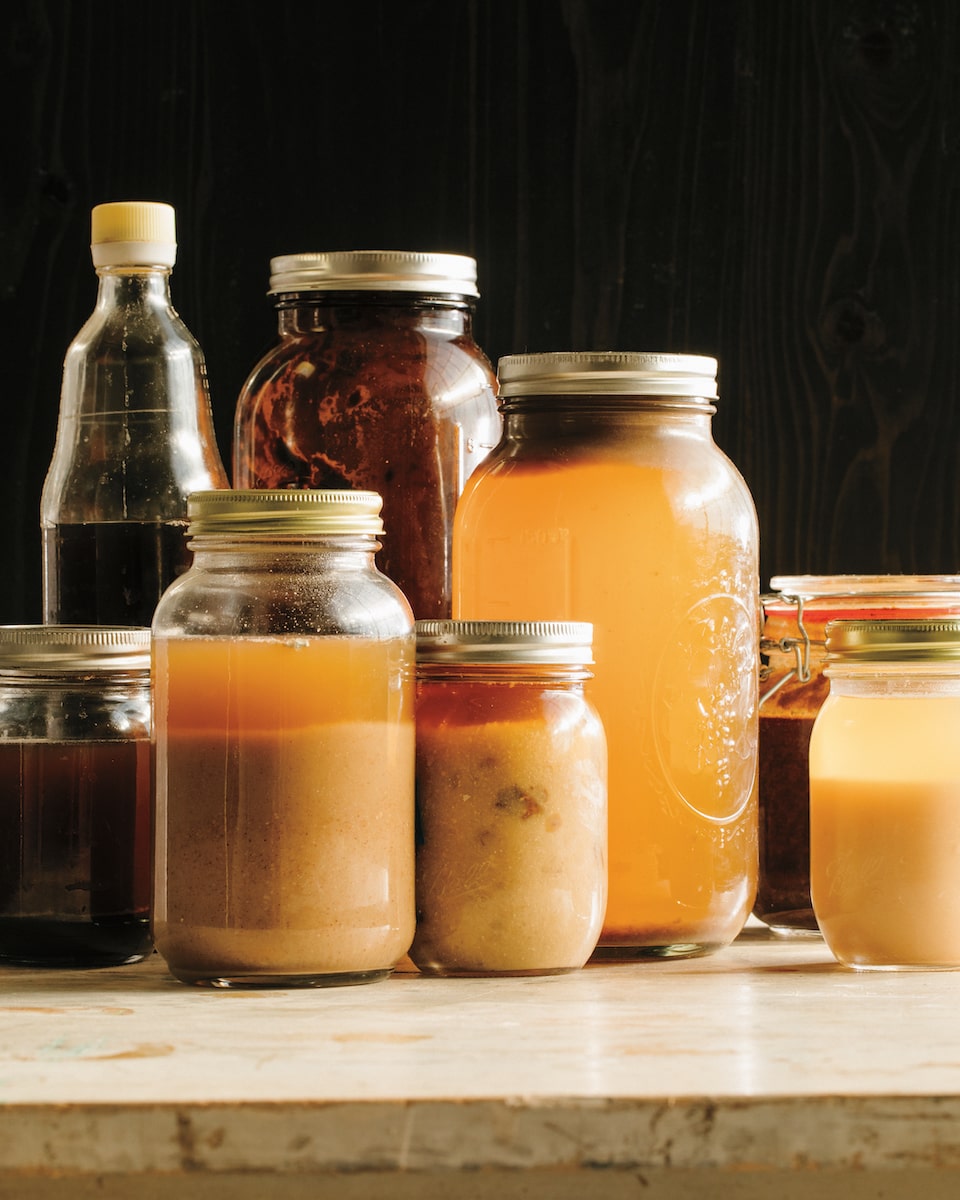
(511, 799)
(283, 672)
(885, 794)
(608, 501)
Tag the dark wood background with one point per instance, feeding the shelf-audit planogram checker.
(776, 182)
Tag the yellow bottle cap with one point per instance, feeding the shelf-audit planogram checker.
(133, 233)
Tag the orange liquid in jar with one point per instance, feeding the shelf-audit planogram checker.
(661, 557)
(285, 816)
(885, 829)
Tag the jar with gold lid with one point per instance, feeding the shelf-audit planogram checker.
(885, 794)
(511, 799)
(792, 689)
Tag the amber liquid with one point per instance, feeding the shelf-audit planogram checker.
(74, 852)
(110, 573)
(285, 817)
(669, 591)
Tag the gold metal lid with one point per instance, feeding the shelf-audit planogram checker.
(591, 373)
(375, 271)
(906, 640)
(79, 648)
(548, 642)
(288, 512)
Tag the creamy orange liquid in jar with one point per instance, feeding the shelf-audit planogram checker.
(511, 799)
(608, 501)
(885, 795)
(283, 667)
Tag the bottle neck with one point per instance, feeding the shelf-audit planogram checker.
(316, 312)
(132, 285)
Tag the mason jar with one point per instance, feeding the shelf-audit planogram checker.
(75, 795)
(511, 799)
(608, 501)
(885, 794)
(376, 382)
(283, 677)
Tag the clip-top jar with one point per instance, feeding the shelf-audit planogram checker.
(283, 666)
(608, 501)
(792, 689)
(75, 795)
(885, 794)
(376, 383)
(511, 799)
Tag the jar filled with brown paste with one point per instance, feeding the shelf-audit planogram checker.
(511, 799)
(377, 383)
(792, 690)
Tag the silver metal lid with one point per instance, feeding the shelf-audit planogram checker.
(80, 648)
(592, 373)
(375, 271)
(287, 512)
(548, 642)
(905, 640)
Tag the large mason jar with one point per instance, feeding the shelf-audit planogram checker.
(608, 501)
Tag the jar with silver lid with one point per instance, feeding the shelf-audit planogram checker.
(75, 795)
(376, 382)
(511, 799)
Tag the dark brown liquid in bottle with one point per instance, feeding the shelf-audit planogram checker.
(112, 573)
(74, 852)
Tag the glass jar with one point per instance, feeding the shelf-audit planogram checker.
(792, 689)
(376, 383)
(511, 799)
(885, 794)
(608, 501)
(283, 668)
(75, 795)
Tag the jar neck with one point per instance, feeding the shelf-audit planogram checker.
(247, 550)
(568, 675)
(894, 678)
(535, 417)
(318, 312)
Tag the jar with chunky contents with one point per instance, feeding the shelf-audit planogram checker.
(608, 501)
(792, 689)
(885, 795)
(376, 382)
(283, 669)
(511, 799)
(75, 795)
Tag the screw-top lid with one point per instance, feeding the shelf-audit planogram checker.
(591, 373)
(79, 648)
(375, 271)
(133, 233)
(547, 642)
(905, 640)
(286, 512)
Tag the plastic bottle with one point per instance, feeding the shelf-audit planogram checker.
(135, 434)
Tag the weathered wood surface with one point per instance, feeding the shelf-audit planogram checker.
(774, 183)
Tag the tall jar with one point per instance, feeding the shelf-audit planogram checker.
(283, 675)
(885, 794)
(75, 795)
(511, 799)
(376, 382)
(792, 689)
(608, 501)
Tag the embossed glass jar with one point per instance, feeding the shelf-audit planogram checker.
(608, 501)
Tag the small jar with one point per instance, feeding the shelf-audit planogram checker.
(283, 665)
(792, 689)
(511, 799)
(75, 795)
(376, 382)
(885, 795)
